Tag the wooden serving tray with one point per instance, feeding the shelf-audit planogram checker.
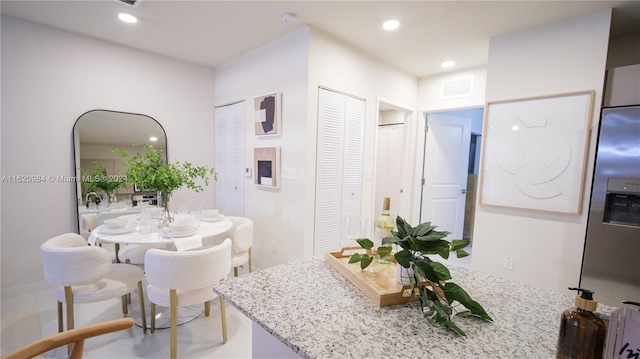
(382, 287)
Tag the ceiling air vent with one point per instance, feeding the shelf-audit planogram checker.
(132, 3)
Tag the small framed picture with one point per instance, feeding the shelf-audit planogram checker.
(267, 166)
(267, 114)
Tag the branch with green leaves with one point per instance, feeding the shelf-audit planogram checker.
(149, 171)
(367, 258)
(429, 281)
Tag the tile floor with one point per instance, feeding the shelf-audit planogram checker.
(28, 317)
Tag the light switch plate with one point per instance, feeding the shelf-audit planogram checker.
(247, 172)
(289, 173)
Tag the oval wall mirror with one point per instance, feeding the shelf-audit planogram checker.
(95, 134)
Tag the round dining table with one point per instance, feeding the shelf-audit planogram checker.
(206, 231)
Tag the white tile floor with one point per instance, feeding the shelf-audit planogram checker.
(27, 318)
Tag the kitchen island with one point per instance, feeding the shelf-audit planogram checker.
(307, 309)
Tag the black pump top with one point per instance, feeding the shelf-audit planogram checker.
(632, 303)
(584, 293)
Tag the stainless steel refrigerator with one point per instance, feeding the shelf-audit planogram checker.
(611, 261)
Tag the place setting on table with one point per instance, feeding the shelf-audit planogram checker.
(186, 229)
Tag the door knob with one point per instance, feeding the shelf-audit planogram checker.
(463, 191)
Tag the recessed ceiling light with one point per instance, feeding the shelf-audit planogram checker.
(391, 24)
(153, 138)
(447, 64)
(127, 18)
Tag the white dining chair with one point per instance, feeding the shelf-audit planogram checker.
(84, 274)
(241, 234)
(186, 278)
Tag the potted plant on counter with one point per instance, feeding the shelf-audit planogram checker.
(429, 281)
(151, 172)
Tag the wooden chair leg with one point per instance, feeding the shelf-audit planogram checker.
(68, 299)
(250, 269)
(174, 323)
(223, 314)
(207, 308)
(125, 307)
(60, 324)
(142, 313)
(153, 317)
(235, 271)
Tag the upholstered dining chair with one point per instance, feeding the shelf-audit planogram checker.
(85, 274)
(241, 234)
(186, 278)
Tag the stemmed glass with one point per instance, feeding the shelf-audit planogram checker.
(350, 230)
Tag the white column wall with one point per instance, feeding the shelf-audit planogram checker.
(51, 77)
(337, 65)
(278, 215)
(568, 55)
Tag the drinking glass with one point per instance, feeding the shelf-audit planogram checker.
(183, 214)
(350, 230)
(195, 218)
(145, 221)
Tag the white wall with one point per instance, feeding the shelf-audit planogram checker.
(565, 56)
(278, 215)
(50, 78)
(430, 90)
(340, 66)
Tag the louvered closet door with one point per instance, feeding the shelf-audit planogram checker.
(338, 165)
(353, 143)
(229, 159)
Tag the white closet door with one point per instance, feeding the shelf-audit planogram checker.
(338, 165)
(353, 149)
(229, 158)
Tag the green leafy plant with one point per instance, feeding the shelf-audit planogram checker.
(429, 281)
(150, 172)
(97, 179)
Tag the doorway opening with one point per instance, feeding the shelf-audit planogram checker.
(451, 159)
(392, 161)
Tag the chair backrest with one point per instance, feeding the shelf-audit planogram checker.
(193, 269)
(71, 336)
(241, 233)
(68, 261)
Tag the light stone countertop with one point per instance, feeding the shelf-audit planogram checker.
(316, 312)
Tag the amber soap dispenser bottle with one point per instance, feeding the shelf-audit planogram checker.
(582, 333)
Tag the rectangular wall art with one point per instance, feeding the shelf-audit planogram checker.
(267, 166)
(267, 115)
(534, 152)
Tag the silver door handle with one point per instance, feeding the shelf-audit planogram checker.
(463, 191)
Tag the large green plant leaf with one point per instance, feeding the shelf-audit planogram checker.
(365, 243)
(441, 271)
(404, 258)
(458, 244)
(454, 292)
(426, 271)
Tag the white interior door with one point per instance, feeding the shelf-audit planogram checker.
(445, 172)
(229, 158)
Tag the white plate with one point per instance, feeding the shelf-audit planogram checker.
(179, 234)
(212, 219)
(120, 230)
